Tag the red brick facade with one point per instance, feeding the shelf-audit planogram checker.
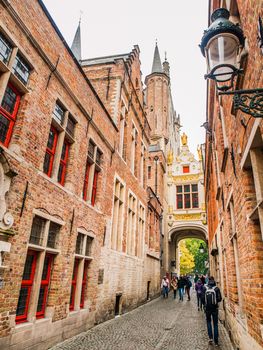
(78, 156)
(234, 190)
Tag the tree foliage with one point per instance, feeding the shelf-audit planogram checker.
(193, 245)
(186, 259)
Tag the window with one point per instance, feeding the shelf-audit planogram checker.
(134, 150)
(52, 240)
(83, 244)
(63, 163)
(71, 125)
(142, 165)
(26, 287)
(73, 285)
(83, 254)
(187, 196)
(59, 113)
(131, 225)
(186, 169)
(58, 145)
(43, 291)
(118, 212)
(44, 233)
(84, 284)
(86, 181)
(141, 230)
(8, 112)
(21, 69)
(93, 168)
(50, 151)
(37, 231)
(123, 131)
(149, 172)
(5, 49)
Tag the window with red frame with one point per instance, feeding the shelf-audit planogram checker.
(84, 284)
(86, 181)
(50, 151)
(179, 197)
(186, 169)
(26, 287)
(43, 292)
(63, 163)
(94, 187)
(73, 285)
(8, 112)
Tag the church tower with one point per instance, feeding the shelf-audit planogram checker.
(157, 100)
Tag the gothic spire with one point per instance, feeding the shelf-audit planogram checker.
(76, 44)
(157, 65)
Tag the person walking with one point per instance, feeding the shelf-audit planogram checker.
(174, 285)
(199, 289)
(165, 286)
(180, 285)
(212, 296)
(188, 285)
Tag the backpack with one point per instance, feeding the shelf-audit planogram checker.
(210, 296)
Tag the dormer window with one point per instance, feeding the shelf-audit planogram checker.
(186, 169)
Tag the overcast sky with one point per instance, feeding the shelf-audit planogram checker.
(113, 27)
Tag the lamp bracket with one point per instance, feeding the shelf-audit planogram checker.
(248, 101)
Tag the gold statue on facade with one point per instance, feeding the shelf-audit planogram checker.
(184, 139)
(170, 157)
(199, 151)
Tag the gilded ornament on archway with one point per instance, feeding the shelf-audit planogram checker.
(184, 139)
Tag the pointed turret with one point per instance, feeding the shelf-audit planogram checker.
(76, 44)
(157, 65)
(166, 66)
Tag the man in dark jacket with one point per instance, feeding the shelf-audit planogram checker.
(211, 297)
(181, 284)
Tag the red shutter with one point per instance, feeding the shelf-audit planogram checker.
(8, 114)
(73, 285)
(63, 163)
(50, 151)
(94, 187)
(26, 287)
(84, 284)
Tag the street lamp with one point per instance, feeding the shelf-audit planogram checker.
(201, 248)
(222, 44)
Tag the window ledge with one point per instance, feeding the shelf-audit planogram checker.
(18, 84)
(86, 257)
(36, 247)
(3, 67)
(153, 255)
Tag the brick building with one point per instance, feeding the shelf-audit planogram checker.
(234, 188)
(83, 180)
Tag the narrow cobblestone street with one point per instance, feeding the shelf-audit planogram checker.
(163, 324)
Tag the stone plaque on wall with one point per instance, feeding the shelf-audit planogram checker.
(101, 276)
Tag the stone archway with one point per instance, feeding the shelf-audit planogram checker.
(176, 234)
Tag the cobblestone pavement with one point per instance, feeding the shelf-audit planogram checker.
(162, 324)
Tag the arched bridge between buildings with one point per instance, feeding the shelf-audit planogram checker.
(183, 231)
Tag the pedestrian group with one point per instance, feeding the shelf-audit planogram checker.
(208, 296)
